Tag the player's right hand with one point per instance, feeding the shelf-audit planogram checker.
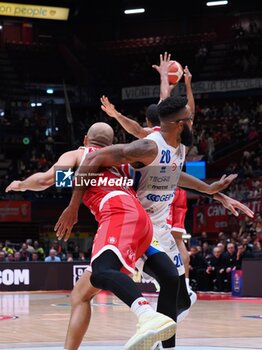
(108, 107)
(65, 223)
(222, 184)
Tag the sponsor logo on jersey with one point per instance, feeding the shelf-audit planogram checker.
(112, 240)
(174, 166)
(64, 178)
(157, 198)
(155, 243)
(159, 178)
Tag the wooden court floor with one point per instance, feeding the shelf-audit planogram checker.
(39, 320)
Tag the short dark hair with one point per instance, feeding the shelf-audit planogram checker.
(170, 106)
(152, 114)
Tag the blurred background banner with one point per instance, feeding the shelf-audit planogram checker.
(216, 218)
(19, 211)
(33, 11)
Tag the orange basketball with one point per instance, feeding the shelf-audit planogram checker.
(175, 72)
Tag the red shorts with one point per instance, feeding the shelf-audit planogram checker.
(125, 228)
(178, 211)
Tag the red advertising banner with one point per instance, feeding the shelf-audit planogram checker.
(216, 218)
(19, 211)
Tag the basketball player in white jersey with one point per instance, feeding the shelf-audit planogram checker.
(179, 207)
(160, 154)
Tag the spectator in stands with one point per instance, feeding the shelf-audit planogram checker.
(35, 257)
(197, 267)
(69, 257)
(10, 257)
(206, 250)
(52, 257)
(214, 271)
(203, 238)
(30, 247)
(25, 255)
(8, 248)
(17, 256)
(221, 238)
(222, 247)
(39, 250)
(230, 260)
(242, 253)
(82, 257)
(2, 256)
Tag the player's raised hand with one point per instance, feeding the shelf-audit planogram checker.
(187, 76)
(15, 186)
(232, 204)
(65, 223)
(223, 183)
(108, 107)
(164, 65)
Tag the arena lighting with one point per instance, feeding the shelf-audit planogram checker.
(134, 11)
(49, 91)
(38, 104)
(217, 3)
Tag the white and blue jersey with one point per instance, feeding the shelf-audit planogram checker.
(155, 185)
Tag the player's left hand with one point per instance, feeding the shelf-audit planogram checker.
(15, 186)
(232, 204)
(223, 183)
(187, 76)
(65, 223)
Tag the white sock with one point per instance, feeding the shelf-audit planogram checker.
(187, 284)
(141, 306)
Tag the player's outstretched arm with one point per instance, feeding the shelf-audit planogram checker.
(42, 180)
(162, 69)
(232, 204)
(131, 126)
(140, 151)
(189, 181)
(189, 92)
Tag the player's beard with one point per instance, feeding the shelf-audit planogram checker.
(186, 136)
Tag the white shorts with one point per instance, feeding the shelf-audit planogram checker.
(163, 241)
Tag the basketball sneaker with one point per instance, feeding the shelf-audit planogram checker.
(193, 299)
(150, 330)
(157, 346)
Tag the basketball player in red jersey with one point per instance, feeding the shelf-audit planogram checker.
(124, 233)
